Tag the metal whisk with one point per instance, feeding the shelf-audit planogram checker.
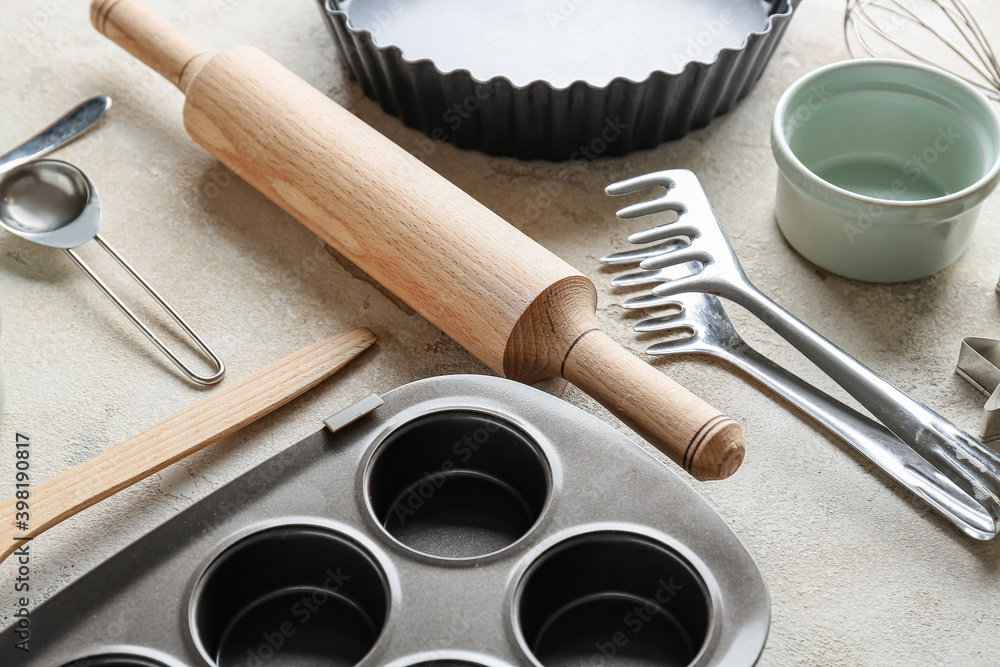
(879, 25)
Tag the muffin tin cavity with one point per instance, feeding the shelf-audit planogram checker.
(458, 484)
(293, 596)
(613, 598)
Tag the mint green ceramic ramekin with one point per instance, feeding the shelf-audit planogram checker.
(883, 167)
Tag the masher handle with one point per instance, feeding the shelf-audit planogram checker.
(873, 440)
(971, 465)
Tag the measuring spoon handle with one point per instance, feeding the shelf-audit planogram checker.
(72, 124)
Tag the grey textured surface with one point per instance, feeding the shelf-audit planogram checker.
(859, 573)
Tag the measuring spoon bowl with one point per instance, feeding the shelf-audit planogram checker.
(51, 203)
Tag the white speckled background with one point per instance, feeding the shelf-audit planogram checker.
(860, 573)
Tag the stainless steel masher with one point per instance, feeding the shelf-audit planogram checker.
(697, 237)
(54, 204)
(699, 324)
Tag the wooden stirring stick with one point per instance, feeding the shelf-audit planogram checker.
(209, 420)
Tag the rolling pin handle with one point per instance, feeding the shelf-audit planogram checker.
(702, 440)
(150, 38)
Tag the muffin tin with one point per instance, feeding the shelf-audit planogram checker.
(468, 521)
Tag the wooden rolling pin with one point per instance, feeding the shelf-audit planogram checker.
(520, 309)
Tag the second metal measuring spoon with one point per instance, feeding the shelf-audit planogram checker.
(73, 123)
(54, 204)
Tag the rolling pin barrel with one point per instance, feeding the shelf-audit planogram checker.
(509, 301)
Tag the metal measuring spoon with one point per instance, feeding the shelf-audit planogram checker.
(73, 123)
(54, 204)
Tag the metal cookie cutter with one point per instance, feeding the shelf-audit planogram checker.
(979, 363)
